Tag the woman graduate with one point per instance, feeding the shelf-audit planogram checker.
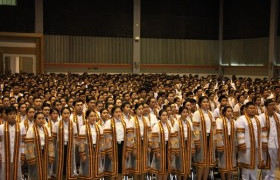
(65, 136)
(39, 149)
(204, 126)
(142, 151)
(91, 148)
(226, 143)
(182, 146)
(161, 133)
(119, 142)
(171, 119)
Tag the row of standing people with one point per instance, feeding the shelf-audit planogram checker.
(141, 145)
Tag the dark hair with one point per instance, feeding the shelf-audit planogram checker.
(161, 111)
(28, 108)
(68, 98)
(149, 100)
(117, 98)
(124, 104)
(176, 99)
(102, 109)
(56, 101)
(77, 101)
(169, 94)
(37, 97)
(10, 109)
(88, 112)
(108, 104)
(160, 95)
(108, 97)
(20, 104)
(187, 100)
(46, 102)
(5, 97)
(275, 87)
(236, 92)
(189, 93)
(166, 106)
(255, 99)
(37, 114)
(242, 109)
(99, 102)
(251, 91)
(63, 97)
(239, 96)
(193, 101)
(210, 93)
(249, 104)
(65, 108)
(268, 101)
(90, 98)
(53, 110)
(46, 105)
(47, 91)
(131, 93)
(114, 109)
(136, 106)
(12, 98)
(225, 109)
(222, 97)
(201, 99)
(182, 108)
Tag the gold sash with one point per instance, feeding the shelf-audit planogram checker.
(229, 145)
(186, 148)
(7, 151)
(42, 162)
(124, 146)
(69, 150)
(26, 124)
(253, 145)
(50, 124)
(163, 148)
(93, 152)
(203, 133)
(172, 121)
(18, 118)
(278, 134)
(146, 137)
(138, 145)
(113, 151)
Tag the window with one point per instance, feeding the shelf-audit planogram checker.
(8, 2)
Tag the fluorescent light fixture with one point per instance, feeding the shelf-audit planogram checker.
(237, 64)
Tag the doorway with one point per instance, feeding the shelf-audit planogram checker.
(17, 63)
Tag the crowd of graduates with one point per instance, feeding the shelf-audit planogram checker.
(140, 126)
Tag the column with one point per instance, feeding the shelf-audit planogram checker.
(272, 70)
(17, 64)
(1, 62)
(12, 64)
(39, 26)
(221, 25)
(136, 36)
